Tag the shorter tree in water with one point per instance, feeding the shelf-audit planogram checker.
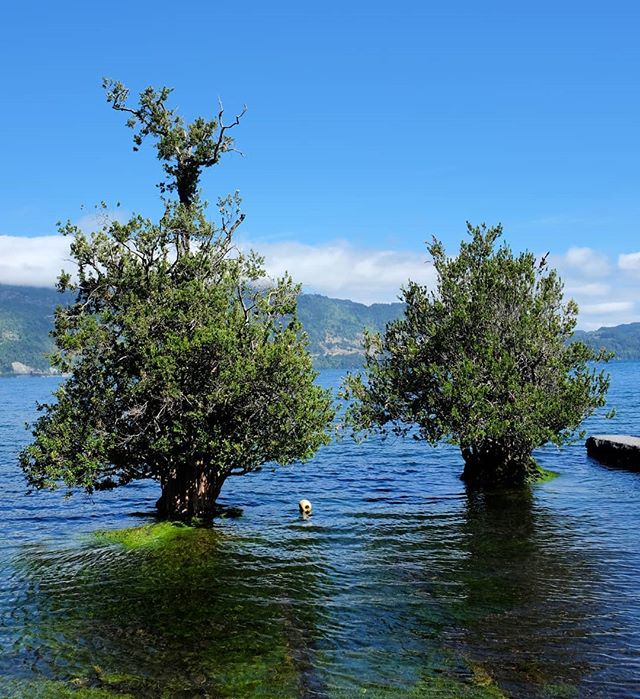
(184, 367)
(484, 361)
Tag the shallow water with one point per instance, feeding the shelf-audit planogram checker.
(400, 584)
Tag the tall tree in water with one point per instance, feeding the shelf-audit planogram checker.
(484, 361)
(184, 365)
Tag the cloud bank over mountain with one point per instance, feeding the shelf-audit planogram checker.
(342, 270)
(32, 261)
(607, 290)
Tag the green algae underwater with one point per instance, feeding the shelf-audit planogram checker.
(155, 618)
(150, 623)
(401, 584)
(182, 611)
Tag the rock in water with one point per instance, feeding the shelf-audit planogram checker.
(615, 449)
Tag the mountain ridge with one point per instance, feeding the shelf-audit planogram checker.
(334, 326)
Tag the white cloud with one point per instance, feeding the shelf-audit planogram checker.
(342, 270)
(339, 269)
(586, 261)
(38, 260)
(576, 288)
(33, 261)
(607, 307)
(629, 262)
(100, 219)
(604, 297)
(613, 308)
(335, 269)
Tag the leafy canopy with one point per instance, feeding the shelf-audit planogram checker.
(483, 361)
(184, 149)
(183, 363)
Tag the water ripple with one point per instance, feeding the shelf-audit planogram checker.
(400, 584)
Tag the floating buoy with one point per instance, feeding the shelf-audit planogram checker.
(305, 508)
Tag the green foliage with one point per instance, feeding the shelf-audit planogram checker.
(184, 149)
(184, 366)
(334, 327)
(483, 361)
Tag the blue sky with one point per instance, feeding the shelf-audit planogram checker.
(370, 127)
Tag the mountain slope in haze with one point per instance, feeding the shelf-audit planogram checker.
(26, 317)
(334, 326)
(623, 340)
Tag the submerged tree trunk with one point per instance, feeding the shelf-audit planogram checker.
(497, 465)
(189, 491)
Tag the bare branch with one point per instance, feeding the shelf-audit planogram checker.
(218, 148)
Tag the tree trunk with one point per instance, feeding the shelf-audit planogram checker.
(497, 465)
(189, 491)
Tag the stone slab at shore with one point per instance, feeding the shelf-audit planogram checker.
(615, 449)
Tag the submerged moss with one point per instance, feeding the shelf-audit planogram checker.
(189, 614)
(147, 536)
(451, 688)
(544, 475)
(560, 691)
(166, 611)
(51, 689)
(440, 686)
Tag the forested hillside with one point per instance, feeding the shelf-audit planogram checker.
(335, 328)
(26, 317)
(623, 340)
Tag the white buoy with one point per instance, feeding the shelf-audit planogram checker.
(305, 508)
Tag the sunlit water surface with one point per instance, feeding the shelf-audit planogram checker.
(400, 585)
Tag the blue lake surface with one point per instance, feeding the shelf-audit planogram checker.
(400, 584)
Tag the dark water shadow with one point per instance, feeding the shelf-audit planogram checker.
(493, 596)
(614, 465)
(528, 602)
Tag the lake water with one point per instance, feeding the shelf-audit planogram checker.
(400, 585)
